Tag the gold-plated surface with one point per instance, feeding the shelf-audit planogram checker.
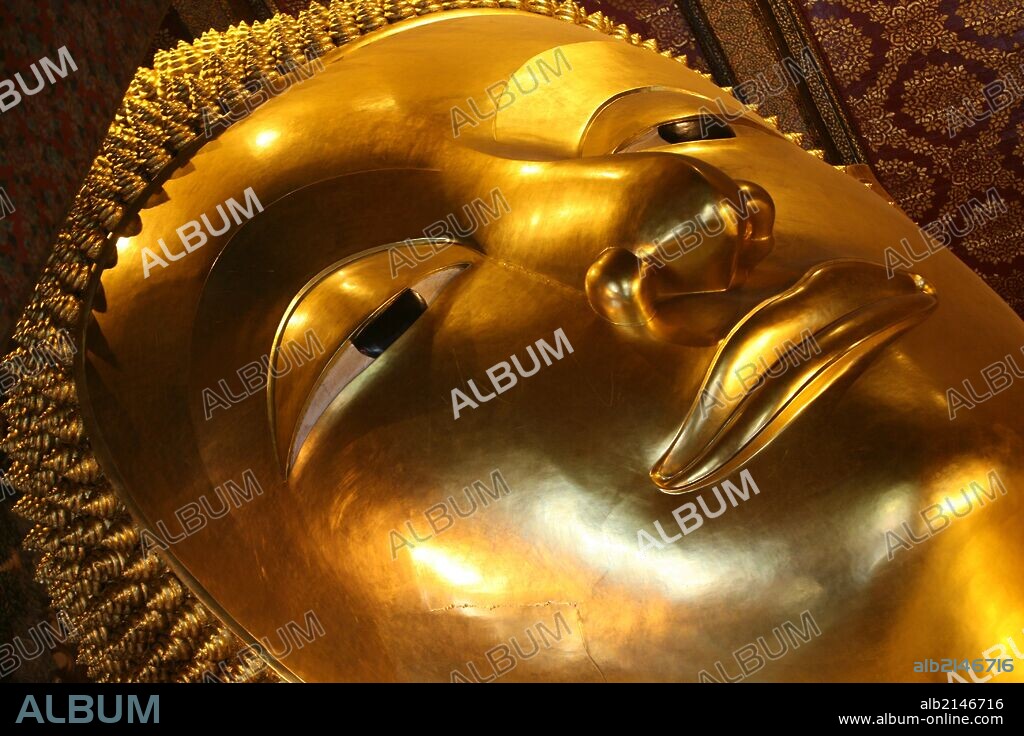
(849, 441)
(134, 618)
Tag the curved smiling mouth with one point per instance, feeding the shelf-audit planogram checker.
(782, 356)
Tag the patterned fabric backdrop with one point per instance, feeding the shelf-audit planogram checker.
(655, 19)
(747, 42)
(49, 139)
(914, 71)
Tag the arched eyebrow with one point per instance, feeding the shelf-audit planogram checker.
(356, 313)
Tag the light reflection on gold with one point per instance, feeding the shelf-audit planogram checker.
(962, 488)
(676, 571)
(441, 563)
(264, 138)
(867, 528)
(455, 569)
(956, 502)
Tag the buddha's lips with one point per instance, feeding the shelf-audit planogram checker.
(780, 357)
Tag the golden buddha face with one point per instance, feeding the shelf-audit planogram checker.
(489, 328)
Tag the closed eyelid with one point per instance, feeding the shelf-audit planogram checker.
(352, 328)
(690, 129)
(626, 117)
(379, 331)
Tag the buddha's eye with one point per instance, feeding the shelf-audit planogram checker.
(690, 129)
(354, 314)
(698, 128)
(389, 324)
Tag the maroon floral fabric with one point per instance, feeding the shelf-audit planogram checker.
(48, 140)
(936, 89)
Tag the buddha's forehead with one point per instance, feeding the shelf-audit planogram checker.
(512, 83)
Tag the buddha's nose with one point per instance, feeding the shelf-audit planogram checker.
(706, 240)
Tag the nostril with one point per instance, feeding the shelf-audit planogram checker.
(616, 289)
(757, 213)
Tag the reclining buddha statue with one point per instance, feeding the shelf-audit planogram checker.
(479, 341)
